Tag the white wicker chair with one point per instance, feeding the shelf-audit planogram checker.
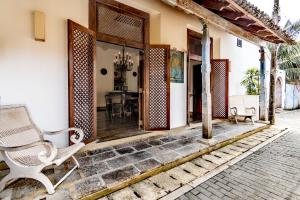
(23, 148)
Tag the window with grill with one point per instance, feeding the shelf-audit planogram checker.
(239, 42)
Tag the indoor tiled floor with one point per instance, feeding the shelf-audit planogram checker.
(116, 127)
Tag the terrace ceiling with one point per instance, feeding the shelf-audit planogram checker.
(242, 14)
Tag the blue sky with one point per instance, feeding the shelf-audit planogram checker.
(289, 8)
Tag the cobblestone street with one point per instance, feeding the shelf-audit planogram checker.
(269, 173)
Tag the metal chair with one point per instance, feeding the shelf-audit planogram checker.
(27, 153)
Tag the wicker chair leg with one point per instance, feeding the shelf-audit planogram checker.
(45, 181)
(5, 180)
(77, 165)
(236, 120)
(252, 120)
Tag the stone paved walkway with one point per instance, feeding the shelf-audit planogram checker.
(171, 184)
(106, 167)
(273, 172)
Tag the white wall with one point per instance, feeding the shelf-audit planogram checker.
(178, 101)
(104, 83)
(240, 59)
(36, 73)
(292, 100)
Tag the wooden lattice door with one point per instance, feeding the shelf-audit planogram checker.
(82, 93)
(158, 101)
(219, 84)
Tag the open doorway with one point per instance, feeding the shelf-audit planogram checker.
(195, 94)
(121, 61)
(194, 77)
(197, 91)
(118, 78)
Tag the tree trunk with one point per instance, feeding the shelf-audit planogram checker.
(272, 103)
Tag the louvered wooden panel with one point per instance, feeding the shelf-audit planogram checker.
(195, 46)
(219, 71)
(82, 95)
(159, 88)
(112, 22)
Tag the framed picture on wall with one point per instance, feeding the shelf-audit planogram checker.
(177, 66)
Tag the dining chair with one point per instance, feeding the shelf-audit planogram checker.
(118, 101)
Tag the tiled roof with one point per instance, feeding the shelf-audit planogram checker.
(264, 18)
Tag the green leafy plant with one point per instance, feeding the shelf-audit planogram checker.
(288, 56)
(251, 81)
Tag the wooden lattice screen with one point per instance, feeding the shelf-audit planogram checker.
(112, 21)
(219, 71)
(82, 95)
(159, 88)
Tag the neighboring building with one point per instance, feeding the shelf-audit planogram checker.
(36, 73)
(292, 96)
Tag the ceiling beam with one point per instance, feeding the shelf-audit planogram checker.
(278, 41)
(264, 33)
(243, 22)
(229, 14)
(214, 5)
(271, 37)
(255, 28)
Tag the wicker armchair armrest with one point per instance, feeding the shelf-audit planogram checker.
(42, 156)
(251, 109)
(75, 138)
(233, 111)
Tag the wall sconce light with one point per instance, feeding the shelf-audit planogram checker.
(39, 26)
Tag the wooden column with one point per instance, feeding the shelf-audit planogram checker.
(272, 102)
(263, 107)
(206, 95)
